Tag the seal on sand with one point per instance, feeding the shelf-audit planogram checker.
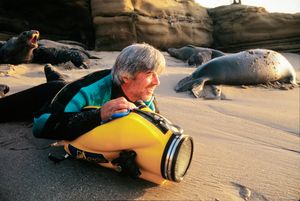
(19, 49)
(250, 67)
(26, 48)
(195, 55)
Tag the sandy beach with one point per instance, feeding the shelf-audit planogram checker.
(246, 147)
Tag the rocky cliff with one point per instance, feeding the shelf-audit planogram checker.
(239, 27)
(112, 25)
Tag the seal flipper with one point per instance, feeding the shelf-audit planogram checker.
(198, 87)
(208, 92)
(52, 74)
(187, 83)
(212, 92)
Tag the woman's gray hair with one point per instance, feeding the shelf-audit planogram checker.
(137, 58)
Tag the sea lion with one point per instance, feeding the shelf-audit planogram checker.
(26, 48)
(19, 49)
(60, 52)
(250, 67)
(195, 55)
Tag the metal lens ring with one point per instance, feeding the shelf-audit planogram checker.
(177, 157)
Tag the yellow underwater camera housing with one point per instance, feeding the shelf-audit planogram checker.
(142, 143)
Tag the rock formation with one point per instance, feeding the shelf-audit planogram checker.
(112, 25)
(162, 23)
(240, 27)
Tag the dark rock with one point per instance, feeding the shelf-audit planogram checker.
(55, 19)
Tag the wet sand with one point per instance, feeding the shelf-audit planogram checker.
(246, 148)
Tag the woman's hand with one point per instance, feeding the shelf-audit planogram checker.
(114, 106)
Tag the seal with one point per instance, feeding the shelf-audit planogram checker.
(19, 49)
(250, 67)
(195, 55)
(26, 48)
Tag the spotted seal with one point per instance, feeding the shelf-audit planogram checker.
(250, 67)
(26, 48)
(195, 55)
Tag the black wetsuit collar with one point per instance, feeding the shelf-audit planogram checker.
(116, 92)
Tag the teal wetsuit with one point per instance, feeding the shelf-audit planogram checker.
(65, 119)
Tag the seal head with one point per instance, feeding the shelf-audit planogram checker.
(20, 49)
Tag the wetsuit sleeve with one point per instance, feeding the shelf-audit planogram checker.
(65, 118)
(69, 125)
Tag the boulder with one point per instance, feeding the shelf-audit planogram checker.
(240, 27)
(162, 23)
